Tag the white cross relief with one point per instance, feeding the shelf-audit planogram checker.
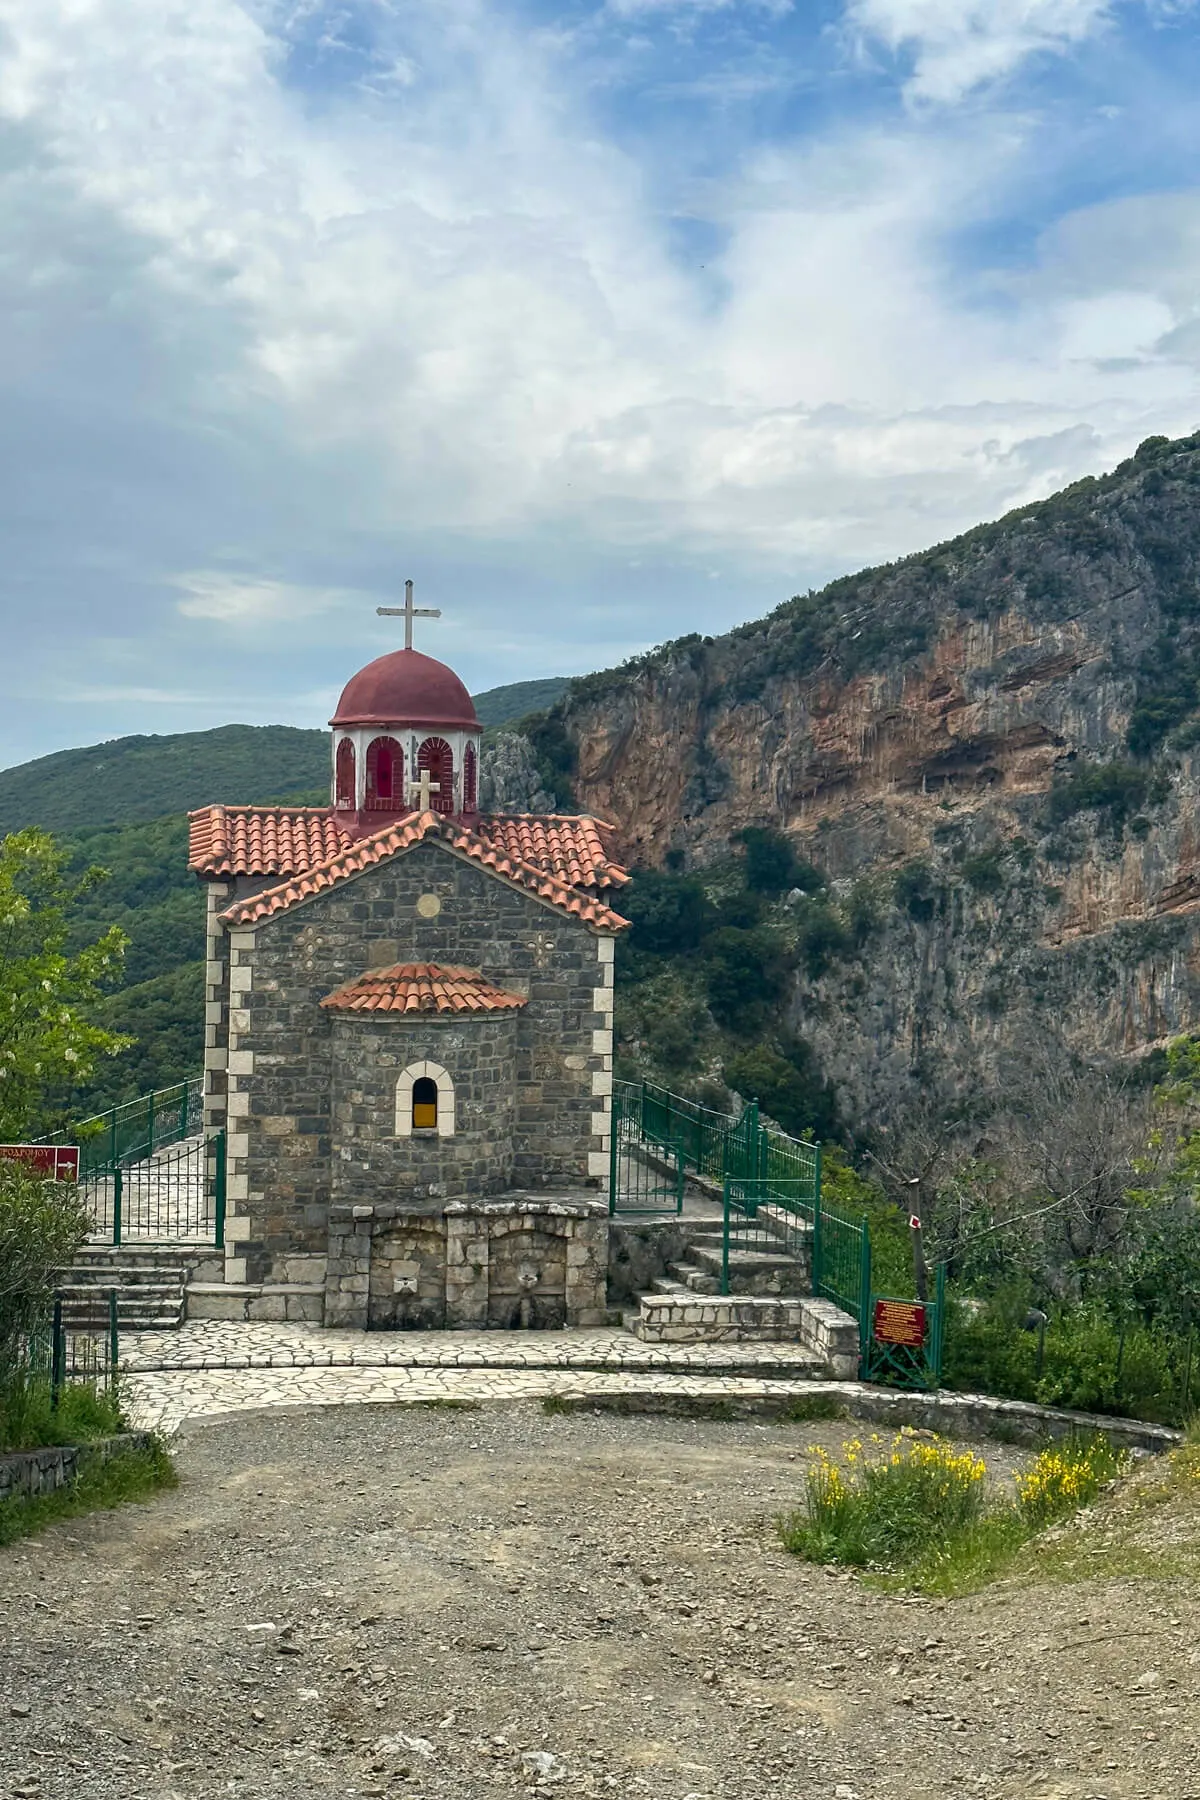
(408, 612)
(419, 791)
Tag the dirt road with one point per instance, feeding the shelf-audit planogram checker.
(392, 1601)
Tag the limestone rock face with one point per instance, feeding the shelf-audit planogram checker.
(916, 717)
(508, 778)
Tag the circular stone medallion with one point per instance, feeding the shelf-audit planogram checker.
(429, 906)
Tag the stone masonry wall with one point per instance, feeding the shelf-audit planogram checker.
(538, 1263)
(369, 1161)
(280, 1098)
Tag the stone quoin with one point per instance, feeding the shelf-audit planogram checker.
(409, 1031)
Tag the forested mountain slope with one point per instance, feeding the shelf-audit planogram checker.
(134, 778)
(989, 751)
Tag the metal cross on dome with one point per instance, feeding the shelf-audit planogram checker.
(408, 612)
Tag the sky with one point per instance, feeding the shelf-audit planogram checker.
(604, 321)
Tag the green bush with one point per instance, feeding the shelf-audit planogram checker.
(42, 1225)
(788, 1087)
(772, 865)
(747, 976)
(1091, 1361)
(669, 914)
(919, 1511)
(885, 1505)
(1117, 790)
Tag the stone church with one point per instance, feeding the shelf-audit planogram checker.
(409, 1033)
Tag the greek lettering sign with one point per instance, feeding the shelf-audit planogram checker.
(59, 1160)
(900, 1322)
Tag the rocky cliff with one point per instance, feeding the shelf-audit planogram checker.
(996, 737)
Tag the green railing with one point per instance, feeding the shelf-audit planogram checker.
(770, 1187)
(136, 1129)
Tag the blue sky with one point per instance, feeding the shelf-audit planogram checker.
(605, 322)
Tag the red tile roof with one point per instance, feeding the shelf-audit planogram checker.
(263, 840)
(421, 988)
(391, 840)
(290, 840)
(572, 848)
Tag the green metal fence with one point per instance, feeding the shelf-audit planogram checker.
(176, 1194)
(770, 1187)
(56, 1355)
(647, 1172)
(137, 1128)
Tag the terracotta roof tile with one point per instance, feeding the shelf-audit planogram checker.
(421, 988)
(263, 840)
(572, 848)
(392, 839)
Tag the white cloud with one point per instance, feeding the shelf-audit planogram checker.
(239, 601)
(959, 45)
(290, 333)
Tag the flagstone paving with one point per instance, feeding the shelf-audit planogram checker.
(209, 1368)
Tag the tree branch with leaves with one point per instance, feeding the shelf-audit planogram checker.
(48, 1039)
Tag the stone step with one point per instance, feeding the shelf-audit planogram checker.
(694, 1279)
(756, 1271)
(110, 1276)
(149, 1254)
(819, 1327)
(666, 1284)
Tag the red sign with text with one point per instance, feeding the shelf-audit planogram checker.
(900, 1322)
(59, 1160)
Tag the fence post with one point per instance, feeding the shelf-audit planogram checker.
(725, 1243)
(864, 1287)
(818, 1269)
(150, 1125)
(112, 1138)
(118, 1183)
(183, 1111)
(113, 1332)
(817, 1179)
(220, 1190)
(58, 1354)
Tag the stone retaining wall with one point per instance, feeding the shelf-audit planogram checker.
(24, 1474)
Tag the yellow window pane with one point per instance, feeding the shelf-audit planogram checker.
(424, 1117)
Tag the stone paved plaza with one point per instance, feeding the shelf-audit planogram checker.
(209, 1368)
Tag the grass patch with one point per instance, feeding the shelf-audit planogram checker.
(86, 1411)
(807, 1408)
(133, 1475)
(916, 1514)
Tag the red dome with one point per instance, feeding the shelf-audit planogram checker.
(406, 688)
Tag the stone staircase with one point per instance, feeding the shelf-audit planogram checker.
(770, 1298)
(149, 1280)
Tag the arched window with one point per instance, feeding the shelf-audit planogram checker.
(343, 776)
(424, 1100)
(436, 755)
(470, 778)
(385, 775)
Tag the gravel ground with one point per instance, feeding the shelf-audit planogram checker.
(389, 1601)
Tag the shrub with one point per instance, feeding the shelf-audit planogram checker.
(772, 865)
(918, 1509)
(42, 1225)
(788, 1086)
(886, 1505)
(1117, 790)
(747, 976)
(1067, 1477)
(669, 913)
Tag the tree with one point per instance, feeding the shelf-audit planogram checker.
(47, 1039)
(42, 1225)
(771, 863)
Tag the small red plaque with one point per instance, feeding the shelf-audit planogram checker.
(900, 1322)
(59, 1160)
